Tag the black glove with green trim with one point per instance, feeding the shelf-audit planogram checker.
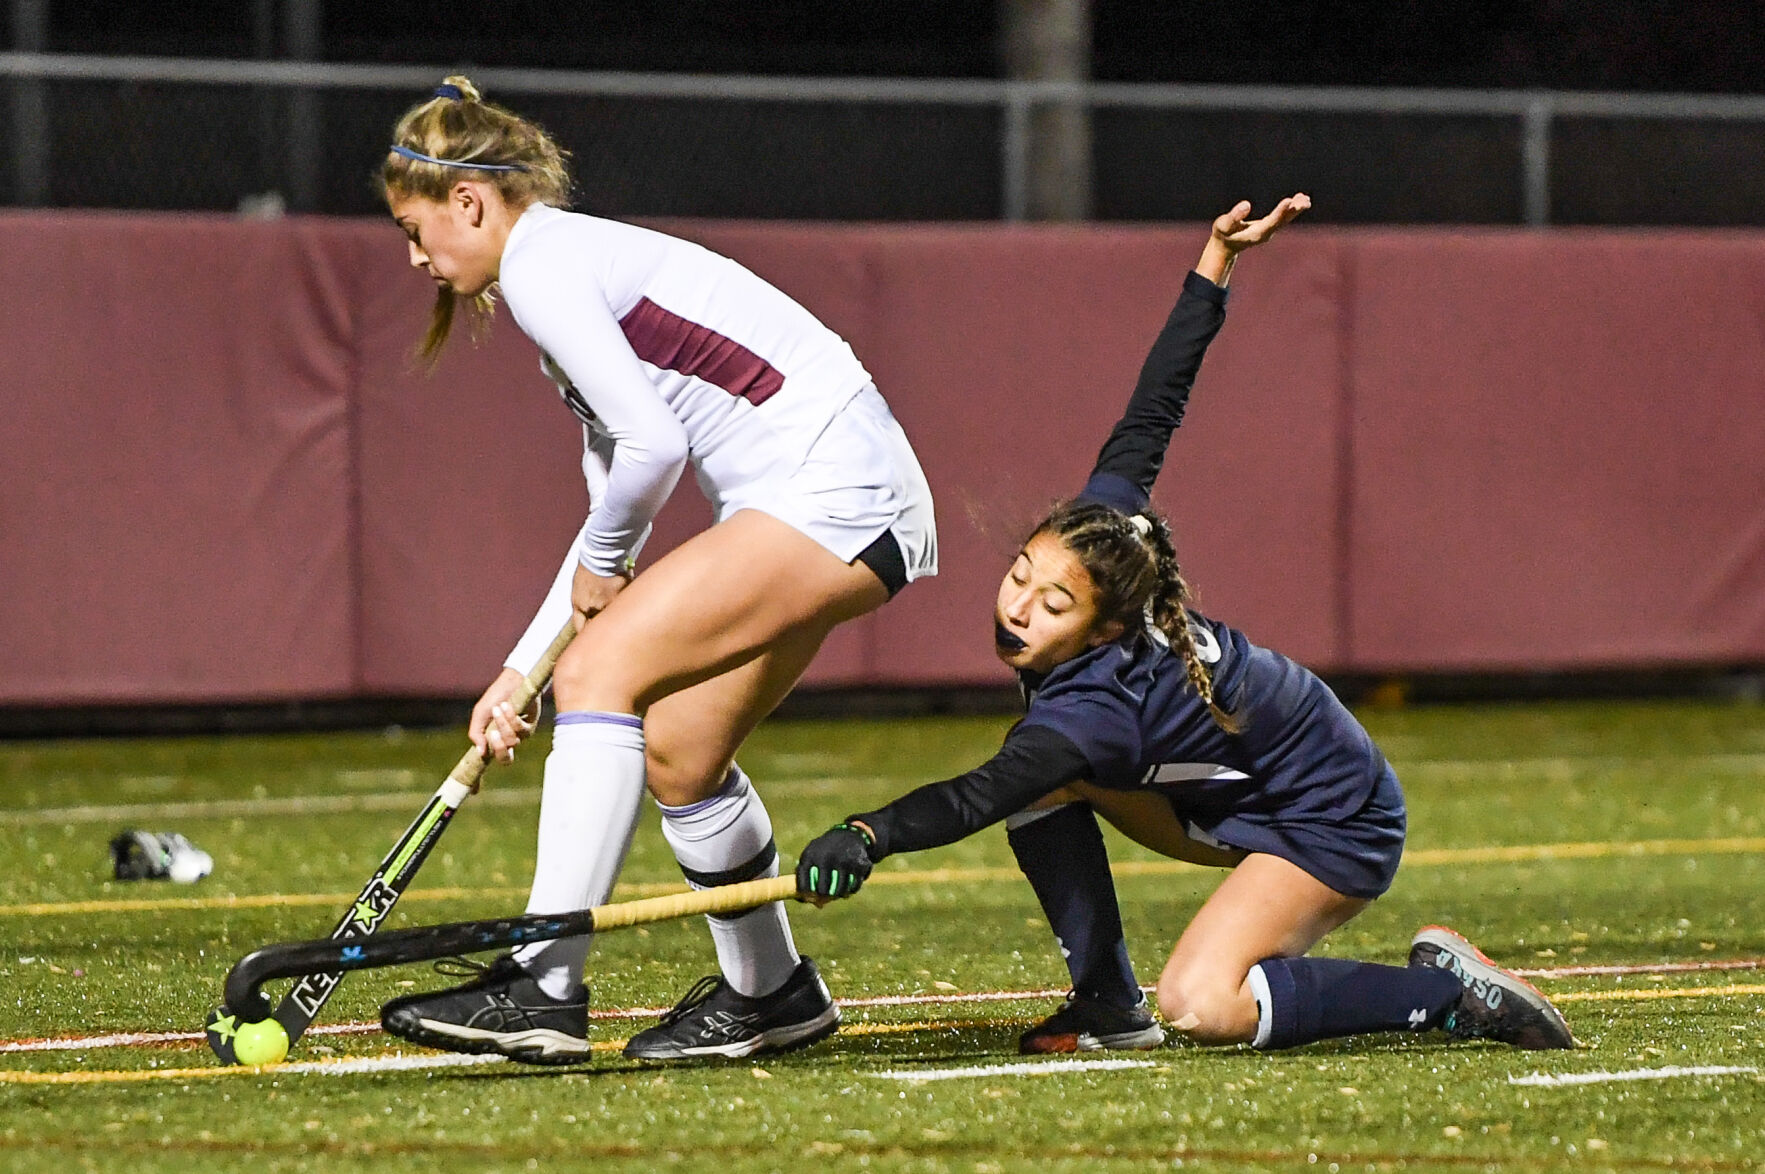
(835, 863)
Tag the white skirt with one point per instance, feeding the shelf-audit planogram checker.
(859, 480)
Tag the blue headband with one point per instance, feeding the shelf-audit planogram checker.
(408, 153)
(449, 90)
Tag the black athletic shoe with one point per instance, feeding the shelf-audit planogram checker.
(714, 1020)
(1497, 1004)
(502, 1009)
(1090, 1025)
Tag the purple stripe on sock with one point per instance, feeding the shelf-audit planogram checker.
(584, 717)
(729, 784)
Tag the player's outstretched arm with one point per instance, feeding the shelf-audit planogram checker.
(1131, 458)
(1235, 231)
(1035, 760)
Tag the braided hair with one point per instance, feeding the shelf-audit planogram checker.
(446, 134)
(1132, 562)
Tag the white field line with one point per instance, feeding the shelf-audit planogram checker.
(398, 1063)
(522, 796)
(1559, 1080)
(144, 1038)
(130, 1039)
(246, 808)
(1031, 1068)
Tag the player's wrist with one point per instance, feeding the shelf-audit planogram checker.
(607, 564)
(866, 833)
(1217, 257)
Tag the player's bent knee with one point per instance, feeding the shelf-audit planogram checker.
(676, 780)
(586, 678)
(1205, 1012)
(571, 677)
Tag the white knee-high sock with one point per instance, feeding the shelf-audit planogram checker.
(724, 840)
(594, 780)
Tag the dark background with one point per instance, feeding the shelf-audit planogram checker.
(1689, 46)
(222, 148)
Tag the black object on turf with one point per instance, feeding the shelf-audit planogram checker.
(500, 1009)
(715, 1020)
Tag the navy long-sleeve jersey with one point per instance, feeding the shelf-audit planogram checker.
(1302, 779)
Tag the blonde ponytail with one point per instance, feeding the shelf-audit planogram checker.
(456, 134)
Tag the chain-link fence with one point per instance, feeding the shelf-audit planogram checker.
(163, 133)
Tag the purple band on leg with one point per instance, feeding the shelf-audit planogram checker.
(729, 784)
(584, 717)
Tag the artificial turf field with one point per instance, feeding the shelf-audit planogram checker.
(1556, 836)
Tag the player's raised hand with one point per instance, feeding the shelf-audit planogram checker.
(1238, 232)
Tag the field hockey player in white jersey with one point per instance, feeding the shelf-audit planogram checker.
(667, 354)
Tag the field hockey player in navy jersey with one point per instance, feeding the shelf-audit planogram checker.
(1200, 745)
(665, 354)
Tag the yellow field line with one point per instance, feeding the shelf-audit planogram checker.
(1423, 857)
(125, 1077)
(1589, 850)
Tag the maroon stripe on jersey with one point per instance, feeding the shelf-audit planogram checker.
(674, 344)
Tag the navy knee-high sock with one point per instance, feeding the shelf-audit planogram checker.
(1061, 853)
(1300, 1000)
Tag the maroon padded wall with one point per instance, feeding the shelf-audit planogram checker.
(1559, 450)
(1008, 353)
(225, 478)
(177, 467)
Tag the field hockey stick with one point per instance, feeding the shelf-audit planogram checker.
(423, 943)
(301, 1005)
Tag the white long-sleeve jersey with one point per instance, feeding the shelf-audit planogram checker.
(672, 353)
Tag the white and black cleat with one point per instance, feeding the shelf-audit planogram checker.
(714, 1020)
(1084, 1024)
(501, 1010)
(137, 855)
(1496, 1004)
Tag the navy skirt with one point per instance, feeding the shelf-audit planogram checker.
(1356, 855)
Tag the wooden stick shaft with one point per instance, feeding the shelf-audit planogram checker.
(722, 899)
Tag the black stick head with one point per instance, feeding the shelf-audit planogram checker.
(219, 1028)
